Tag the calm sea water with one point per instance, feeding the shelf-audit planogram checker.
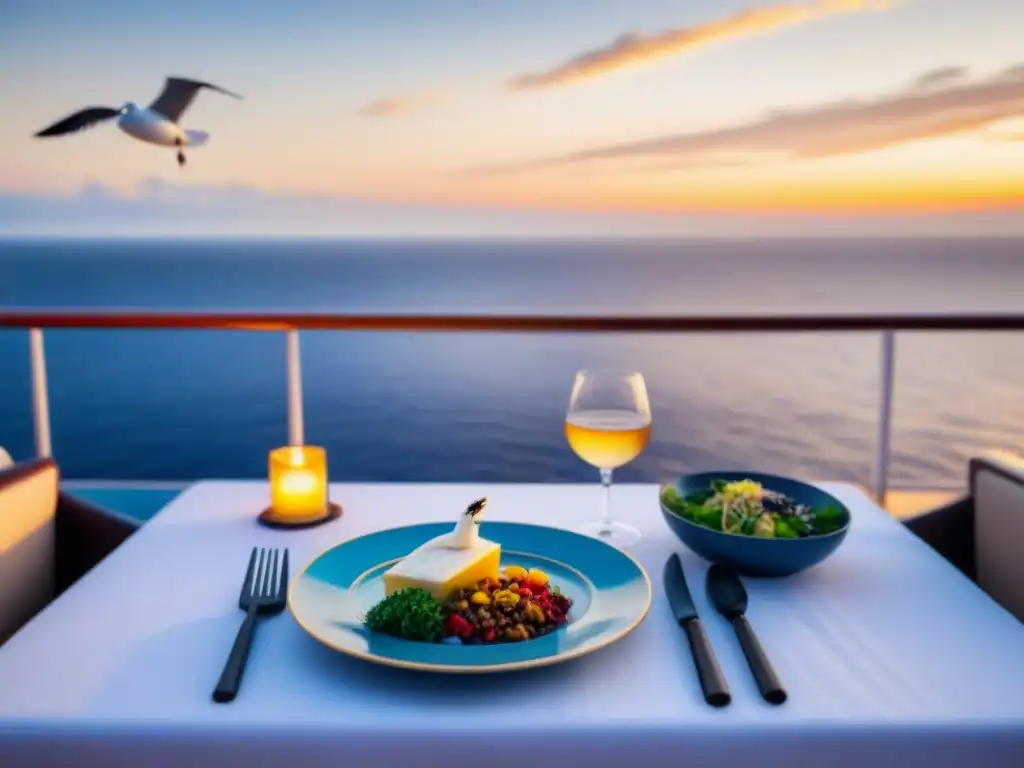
(183, 405)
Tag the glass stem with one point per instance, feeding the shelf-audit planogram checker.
(606, 484)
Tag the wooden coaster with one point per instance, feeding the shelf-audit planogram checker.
(268, 519)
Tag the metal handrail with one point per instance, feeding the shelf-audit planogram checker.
(291, 323)
(518, 323)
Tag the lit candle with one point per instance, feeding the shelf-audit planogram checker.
(298, 483)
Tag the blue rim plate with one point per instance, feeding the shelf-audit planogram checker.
(610, 590)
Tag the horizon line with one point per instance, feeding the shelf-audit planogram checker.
(36, 237)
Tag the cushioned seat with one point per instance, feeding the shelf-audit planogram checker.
(28, 507)
(982, 534)
(48, 540)
(997, 484)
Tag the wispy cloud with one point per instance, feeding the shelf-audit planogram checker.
(841, 128)
(635, 48)
(941, 76)
(393, 106)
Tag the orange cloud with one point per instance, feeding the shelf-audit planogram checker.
(1006, 130)
(842, 128)
(634, 48)
(400, 105)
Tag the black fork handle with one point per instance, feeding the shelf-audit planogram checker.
(231, 677)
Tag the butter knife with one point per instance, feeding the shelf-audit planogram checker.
(712, 681)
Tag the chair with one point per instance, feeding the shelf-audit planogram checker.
(982, 534)
(28, 508)
(48, 540)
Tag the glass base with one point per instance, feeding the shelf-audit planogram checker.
(617, 534)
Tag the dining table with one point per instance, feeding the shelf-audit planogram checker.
(890, 656)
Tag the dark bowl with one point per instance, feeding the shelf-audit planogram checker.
(750, 555)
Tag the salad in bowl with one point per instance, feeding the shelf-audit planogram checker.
(749, 508)
(761, 525)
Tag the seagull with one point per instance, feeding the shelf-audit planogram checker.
(155, 124)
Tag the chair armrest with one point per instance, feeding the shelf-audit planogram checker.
(28, 502)
(997, 485)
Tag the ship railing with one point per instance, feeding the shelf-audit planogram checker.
(887, 326)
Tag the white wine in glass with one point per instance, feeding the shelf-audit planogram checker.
(608, 424)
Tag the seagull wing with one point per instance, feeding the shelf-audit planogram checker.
(76, 122)
(178, 94)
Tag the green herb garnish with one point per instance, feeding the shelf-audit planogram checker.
(410, 614)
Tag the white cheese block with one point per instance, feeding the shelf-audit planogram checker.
(441, 568)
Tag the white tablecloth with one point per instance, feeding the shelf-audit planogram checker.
(890, 657)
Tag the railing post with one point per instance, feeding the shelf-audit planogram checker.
(295, 424)
(880, 479)
(40, 399)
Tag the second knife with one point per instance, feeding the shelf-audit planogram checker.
(716, 692)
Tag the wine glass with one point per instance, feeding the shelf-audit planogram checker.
(608, 424)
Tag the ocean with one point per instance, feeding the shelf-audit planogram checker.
(181, 405)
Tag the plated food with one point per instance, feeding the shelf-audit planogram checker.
(451, 589)
(749, 508)
(368, 595)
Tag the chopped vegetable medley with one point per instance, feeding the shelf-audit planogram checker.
(520, 605)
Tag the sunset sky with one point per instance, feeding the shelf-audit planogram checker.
(799, 113)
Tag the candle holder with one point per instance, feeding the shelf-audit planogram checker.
(298, 489)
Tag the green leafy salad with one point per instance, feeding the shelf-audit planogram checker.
(745, 507)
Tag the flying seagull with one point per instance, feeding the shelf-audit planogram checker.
(155, 124)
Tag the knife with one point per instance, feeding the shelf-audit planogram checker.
(716, 692)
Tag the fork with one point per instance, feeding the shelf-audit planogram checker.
(263, 594)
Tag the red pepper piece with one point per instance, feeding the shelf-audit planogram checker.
(456, 625)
